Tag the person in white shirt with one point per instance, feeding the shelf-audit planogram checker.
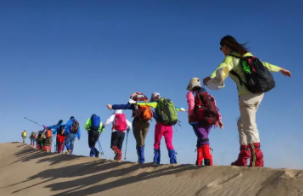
(120, 125)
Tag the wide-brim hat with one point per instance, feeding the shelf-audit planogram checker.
(194, 82)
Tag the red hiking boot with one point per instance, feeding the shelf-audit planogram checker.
(208, 158)
(60, 148)
(118, 153)
(199, 156)
(243, 156)
(256, 158)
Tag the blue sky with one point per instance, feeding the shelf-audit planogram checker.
(63, 58)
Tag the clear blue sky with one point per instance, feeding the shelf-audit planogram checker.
(62, 58)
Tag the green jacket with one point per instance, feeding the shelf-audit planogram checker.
(89, 123)
(232, 63)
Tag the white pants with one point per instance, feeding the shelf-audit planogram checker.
(247, 126)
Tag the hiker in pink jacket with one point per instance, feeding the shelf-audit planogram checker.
(200, 121)
(120, 125)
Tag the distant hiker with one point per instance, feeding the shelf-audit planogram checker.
(32, 137)
(142, 117)
(38, 144)
(120, 125)
(48, 140)
(166, 116)
(253, 79)
(24, 135)
(94, 127)
(202, 115)
(59, 130)
(41, 140)
(71, 131)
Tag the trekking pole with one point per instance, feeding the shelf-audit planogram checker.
(126, 146)
(100, 147)
(33, 121)
(55, 144)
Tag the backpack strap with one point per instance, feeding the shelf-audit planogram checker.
(235, 73)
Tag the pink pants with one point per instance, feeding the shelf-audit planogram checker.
(167, 132)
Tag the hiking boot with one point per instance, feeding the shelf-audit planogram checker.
(243, 156)
(157, 156)
(199, 156)
(172, 156)
(208, 158)
(117, 152)
(256, 155)
(67, 152)
(140, 152)
(97, 154)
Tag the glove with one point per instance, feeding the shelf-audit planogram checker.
(182, 109)
(44, 126)
(130, 101)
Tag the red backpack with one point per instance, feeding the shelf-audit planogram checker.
(120, 122)
(205, 109)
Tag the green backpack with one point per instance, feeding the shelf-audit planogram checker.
(167, 112)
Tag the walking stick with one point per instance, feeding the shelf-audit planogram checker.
(100, 147)
(126, 145)
(33, 121)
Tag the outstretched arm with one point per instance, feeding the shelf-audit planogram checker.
(274, 68)
(120, 106)
(227, 64)
(151, 104)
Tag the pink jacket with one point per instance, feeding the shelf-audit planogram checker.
(191, 104)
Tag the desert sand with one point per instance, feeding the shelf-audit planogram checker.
(26, 171)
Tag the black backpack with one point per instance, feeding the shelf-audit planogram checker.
(258, 77)
(75, 127)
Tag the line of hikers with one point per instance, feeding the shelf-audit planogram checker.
(253, 79)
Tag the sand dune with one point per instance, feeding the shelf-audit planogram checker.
(25, 171)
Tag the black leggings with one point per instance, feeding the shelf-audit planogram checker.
(117, 139)
(93, 137)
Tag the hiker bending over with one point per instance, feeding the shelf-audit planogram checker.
(94, 127)
(166, 115)
(142, 117)
(120, 125)
(202, 115)
(253, 79)
(71, 131)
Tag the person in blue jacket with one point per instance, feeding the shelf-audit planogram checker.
(71, 131)
(58, 129)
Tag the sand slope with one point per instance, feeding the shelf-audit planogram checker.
(25, 171)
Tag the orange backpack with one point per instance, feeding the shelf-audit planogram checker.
(48, 133)
(146, 112)
(142, 112)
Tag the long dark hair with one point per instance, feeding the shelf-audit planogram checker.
(233, 44)
(60, 122)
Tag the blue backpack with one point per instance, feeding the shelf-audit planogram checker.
(95, 124)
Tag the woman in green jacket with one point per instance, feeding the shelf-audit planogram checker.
(248, 102)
